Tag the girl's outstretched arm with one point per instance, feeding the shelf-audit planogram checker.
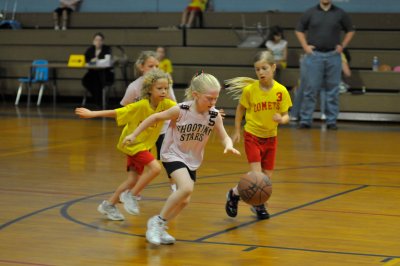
(86, 113)
(170, 114)
(240, 111)
(225, 139)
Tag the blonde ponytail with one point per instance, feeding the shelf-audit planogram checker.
(235, 86)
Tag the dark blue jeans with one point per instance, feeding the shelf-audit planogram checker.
(323, 70)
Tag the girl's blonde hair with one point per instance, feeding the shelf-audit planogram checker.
(235, 86)
(149, 79)
(201, 83)
(143, 56)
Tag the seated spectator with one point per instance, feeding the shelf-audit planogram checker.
(63, 12)
(277, 44)
(196, 7)
(95, 79)
(165, 64)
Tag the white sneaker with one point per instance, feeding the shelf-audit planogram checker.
(173, 187)
(56, 27)
(155, 229)
(323, 117)
(167, 239)
(64, 28)
(110, 211)
(130, 202)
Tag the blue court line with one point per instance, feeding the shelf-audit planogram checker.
(295, 249)
(65, 214)
(68, 204)
(386, 259)
(278, 213)
(2, 226)
(250, 248)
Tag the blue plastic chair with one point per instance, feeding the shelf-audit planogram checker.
(40, 75)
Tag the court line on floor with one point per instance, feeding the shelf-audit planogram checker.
(25, 263)
(280, 213)
(66, 205)
(23, 217)
(65, 214)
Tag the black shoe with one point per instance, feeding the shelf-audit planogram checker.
(261, 212)
(331, 127)
(231, 206)
(304, 126)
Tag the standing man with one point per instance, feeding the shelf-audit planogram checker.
(322, 61)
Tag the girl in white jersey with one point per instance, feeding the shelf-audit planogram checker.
(183, 148)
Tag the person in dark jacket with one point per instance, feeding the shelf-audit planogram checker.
(96, 79)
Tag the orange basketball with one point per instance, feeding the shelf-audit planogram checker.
(255, 188)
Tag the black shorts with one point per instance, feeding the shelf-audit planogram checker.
(158, 145)
(173, 166)
(59, 10)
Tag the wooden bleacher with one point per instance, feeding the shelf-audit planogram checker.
(212, 49)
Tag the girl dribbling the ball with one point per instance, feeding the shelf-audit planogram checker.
(265, 103)
(182, 151)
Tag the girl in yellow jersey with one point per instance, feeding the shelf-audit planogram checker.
(142, 167)
(265, 103)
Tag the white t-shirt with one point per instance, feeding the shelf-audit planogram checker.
(277, 48)
(132, 93)
(187, 136)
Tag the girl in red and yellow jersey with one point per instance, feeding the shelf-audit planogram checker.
(265, 103)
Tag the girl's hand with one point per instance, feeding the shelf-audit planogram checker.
(277, 118)
(128, 140)
(222, 113)
(235, 136)
(84, 113)
(232, 150)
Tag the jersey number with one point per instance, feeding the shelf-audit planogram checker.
(279, 95)
(213, 115)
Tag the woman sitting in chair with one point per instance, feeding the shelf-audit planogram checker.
(96, 79)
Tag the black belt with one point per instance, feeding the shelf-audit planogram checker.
(324, 50)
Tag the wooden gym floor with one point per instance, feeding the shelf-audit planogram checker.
(336, 198)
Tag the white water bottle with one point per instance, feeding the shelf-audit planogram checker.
(375, 63)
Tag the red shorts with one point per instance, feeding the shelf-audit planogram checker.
(260, 150)
(139, 161)
(193, 8)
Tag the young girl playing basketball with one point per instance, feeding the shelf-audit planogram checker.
(142, 167)
(265, 103)
(147, 60)
(183, 148)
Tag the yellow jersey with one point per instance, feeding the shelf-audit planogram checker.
(166, 66)
(199, 3)
(261, 106)
(131, 116)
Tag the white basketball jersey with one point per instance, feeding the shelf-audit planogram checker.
(186, 137)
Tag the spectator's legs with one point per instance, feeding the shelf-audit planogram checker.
(64, 19)
(298, 94)
(322, 102)
(92, 82)
(333, 76)
(184, 17)
(191, 18)
(56, 20)
(313, 82)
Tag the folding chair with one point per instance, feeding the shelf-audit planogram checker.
(39, 74)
